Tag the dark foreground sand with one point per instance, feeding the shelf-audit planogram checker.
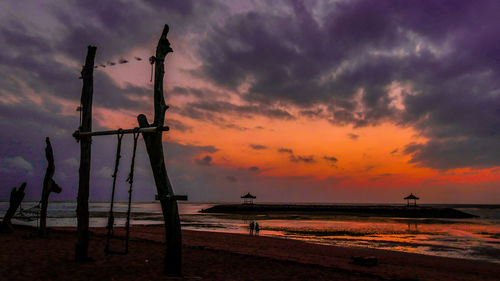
(218, 256)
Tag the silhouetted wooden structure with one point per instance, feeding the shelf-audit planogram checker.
(409, 198)
(248, 198)
(152, 134)
(16, 197)
(49, 185)
(154, 147)
(82, 205)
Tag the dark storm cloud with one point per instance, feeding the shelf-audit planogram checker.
(207, 116)
(178, 125)
(253, 169)
(285, 150)
(349, 56)
(309, 159)
(331, 160)
(211, 107)
(176, 150)
(205, 161)
(235, 127)
(119, 26)
(353, 136)
(342, 60)
(188, 91)
(443, 154)
(32, 50)
(22, 141)
(312, 113)
(257, 146)
(43, 47)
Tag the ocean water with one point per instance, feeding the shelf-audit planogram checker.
(477, 238)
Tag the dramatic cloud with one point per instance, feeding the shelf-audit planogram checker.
(353, 136)
(205, 161)
(332, 161)
(210, 109)
(257, 146)
(253, 169)
(285, 150)
(432, 65)
(312, 113)
(178, 125)
(309, 159)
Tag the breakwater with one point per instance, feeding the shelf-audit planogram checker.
(341, 210)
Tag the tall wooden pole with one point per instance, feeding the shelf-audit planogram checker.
(82, 208)
(154, 147)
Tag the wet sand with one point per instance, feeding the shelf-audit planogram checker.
(218, 256)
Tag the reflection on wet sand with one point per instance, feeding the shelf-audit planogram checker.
(477, 238)
(412, 227)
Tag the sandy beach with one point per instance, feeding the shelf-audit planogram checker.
(218, 256)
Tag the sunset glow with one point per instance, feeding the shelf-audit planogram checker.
(333, 102)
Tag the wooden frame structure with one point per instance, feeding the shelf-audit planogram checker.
(248, 199)
(152, 134)
(411, 197)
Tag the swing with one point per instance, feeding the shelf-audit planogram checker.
(130, 180)
(29, 214)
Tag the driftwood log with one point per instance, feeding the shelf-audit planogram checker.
(154, 147)
(16, 197)
(82, 208)
(49, 185)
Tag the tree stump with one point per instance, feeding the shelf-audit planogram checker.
(49, 185)
(16, 197)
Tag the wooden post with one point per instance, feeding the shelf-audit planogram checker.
(49, 185)
(154, 147)
(82, 208)
(16, 197)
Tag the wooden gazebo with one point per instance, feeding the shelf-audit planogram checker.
(248, 198)
(411, 197)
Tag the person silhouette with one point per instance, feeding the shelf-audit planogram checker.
(256, 228)
(252, 225)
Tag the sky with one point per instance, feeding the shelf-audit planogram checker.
(294, 101)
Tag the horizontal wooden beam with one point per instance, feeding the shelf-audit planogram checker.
(77, 134)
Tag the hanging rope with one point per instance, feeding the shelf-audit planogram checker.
(111, 219)
(130, 180)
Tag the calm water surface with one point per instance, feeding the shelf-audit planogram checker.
(477, 238)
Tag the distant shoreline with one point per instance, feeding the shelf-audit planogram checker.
(343, 210)
(449, 205)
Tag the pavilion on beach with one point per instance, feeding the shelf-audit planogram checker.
(411, 197)
(248, 198)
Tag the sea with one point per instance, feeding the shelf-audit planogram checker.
(475, 239)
